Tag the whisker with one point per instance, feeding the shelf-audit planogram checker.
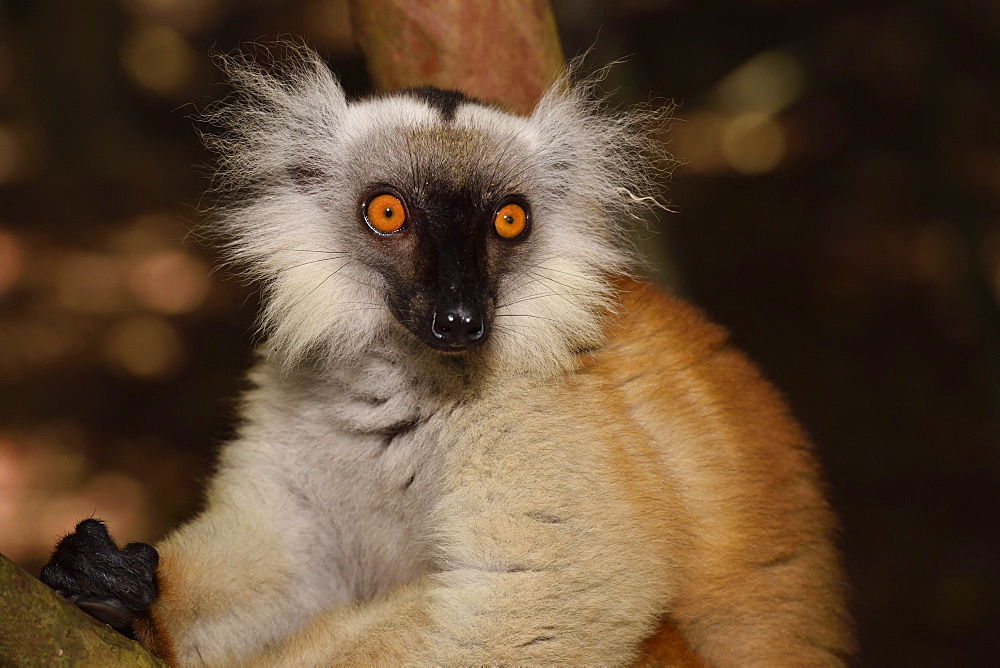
(525, 315)
(558, 271)
(357, 309)
(526, 298)
(320, 284)
(552, 280)
(562, 294)
(303, 264)
(310, 250)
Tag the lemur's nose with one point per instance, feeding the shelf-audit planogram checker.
(458, 326)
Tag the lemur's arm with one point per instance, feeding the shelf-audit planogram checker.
(227, 583)
(526, 576)
(517, 586)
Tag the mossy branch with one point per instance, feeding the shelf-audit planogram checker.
(40, 628)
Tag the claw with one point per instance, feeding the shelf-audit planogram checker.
(111, 611)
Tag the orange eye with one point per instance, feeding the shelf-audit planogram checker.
(385, 213)
(510, 221)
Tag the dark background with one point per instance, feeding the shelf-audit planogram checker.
(836, 211)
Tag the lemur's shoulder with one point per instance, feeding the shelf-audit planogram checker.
(653, 321)
(680, 372)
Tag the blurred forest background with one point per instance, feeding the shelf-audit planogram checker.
(837, 207)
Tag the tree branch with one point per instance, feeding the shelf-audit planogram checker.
(501, 51)
(40, 628)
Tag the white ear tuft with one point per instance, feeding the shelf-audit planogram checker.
(619, 157)
(276, 137)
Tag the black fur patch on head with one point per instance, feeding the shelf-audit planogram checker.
(445, 101)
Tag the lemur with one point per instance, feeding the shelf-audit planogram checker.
(472, 435)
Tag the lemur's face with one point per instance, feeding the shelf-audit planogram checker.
(444, 215)
(443, 246)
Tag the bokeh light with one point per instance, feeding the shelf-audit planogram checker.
(11, 260)
(91, 282)
(145, 346)
(158, 58)
(752, 143)
(170, 282)
(19, 152)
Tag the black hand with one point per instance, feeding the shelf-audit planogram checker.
(110, 584)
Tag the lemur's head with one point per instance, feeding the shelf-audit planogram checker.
(424, 220)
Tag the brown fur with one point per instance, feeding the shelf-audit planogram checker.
(150, 633)
(667, 647)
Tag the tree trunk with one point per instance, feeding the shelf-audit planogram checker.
(501, 51)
